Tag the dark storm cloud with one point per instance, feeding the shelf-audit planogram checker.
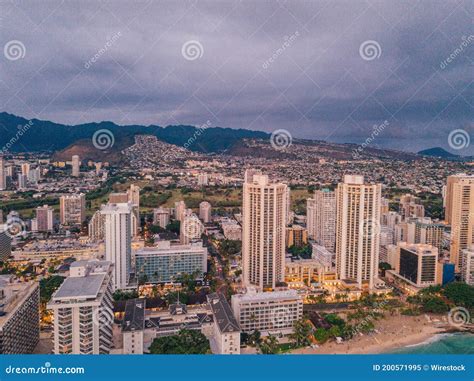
(265, 65)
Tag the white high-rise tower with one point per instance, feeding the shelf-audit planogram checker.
(263, 233)
(3, 175)
(460, 214)
(118, 242)
(358, 231)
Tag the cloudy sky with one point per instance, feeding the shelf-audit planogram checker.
(319, 69)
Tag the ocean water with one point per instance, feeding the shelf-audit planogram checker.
(450, 344)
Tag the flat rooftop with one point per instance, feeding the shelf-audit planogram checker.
(86, 287)
(264, 296)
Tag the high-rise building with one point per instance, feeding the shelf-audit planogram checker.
(418, 264)
(25, 169)
(460, 214)
(76, 165)
(191, 228)
(424, 230)
(161, 217)
(179, 209)
(165, 262)
(22, 181)
(411, 207)
(44, 219)
(205, 212)
(296, 235)
(83, 309)
(72, 209)
(3, 174)
(19, 316)
(321, 218)
(467, 266)
(97, 226)
(263, 232)
(267, 312)
(5, 244)
(203, 179)
(118, 240)
(358, 231)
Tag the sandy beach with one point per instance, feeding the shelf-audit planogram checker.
(392, 332)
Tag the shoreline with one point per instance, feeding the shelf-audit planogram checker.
(392, 333)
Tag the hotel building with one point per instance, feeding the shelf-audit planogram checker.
(460, 214)
(321, 218)
(268, 312)
(19, 316)
(83, 309)
(358, 231)
(44, 219)
(418, 265)
(161, 217)
(166, 262)
(467, 266)
(263, 232)
(205, 212)
(72, 209)
(118, 245)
